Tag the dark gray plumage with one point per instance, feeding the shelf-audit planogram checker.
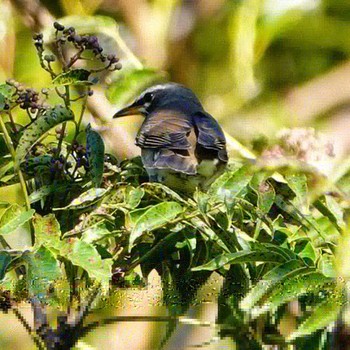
(181, 145)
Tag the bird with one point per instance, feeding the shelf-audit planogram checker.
(182, 146)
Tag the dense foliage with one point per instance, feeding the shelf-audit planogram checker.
(269, 226)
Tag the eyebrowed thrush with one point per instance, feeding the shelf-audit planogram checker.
(181, 144)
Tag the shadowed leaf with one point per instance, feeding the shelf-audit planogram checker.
(5, 259)
(95, 149)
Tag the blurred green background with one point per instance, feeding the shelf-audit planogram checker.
(257, 65)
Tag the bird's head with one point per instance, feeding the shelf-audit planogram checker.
(168, 96)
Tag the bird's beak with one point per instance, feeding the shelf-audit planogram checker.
(132, 109)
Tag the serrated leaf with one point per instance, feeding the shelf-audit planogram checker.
(291, 289)
(16, 222)
(323, 315)
(43, 269)
(230, 184)
(151, 218)
(86, 256)
(39, 127)
(269, 281)
(5, 259)
(244, 256)
(130, 84)
(73, 77)
(86, 199)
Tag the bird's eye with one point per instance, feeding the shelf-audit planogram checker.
(148, 97)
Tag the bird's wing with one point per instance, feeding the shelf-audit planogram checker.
(166, 129)
(210, 135)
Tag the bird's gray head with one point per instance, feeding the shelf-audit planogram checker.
(168, 96)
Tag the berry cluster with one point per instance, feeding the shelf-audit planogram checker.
(79, 153)
(81, 43)
(26, 98)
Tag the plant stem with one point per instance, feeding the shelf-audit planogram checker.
(10, 147)
(64, 125)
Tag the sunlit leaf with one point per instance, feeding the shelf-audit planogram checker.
(39, 127)
(6, 90)
(86, 199)
(85, 255)
(292, 288)
(162, 191)
(95, 233)
(269, 281)
(331, 208)
(322, 316)
(152, 217)
(73, 77)
(5, 259)
(298, 184)
(48, 232)
(95, 149)
(230, 184)
(16, 222)
(241, 257)
(133, 196)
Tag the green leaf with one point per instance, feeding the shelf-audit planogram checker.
(86, 256)
(6, 90)
(5, 259)
(231, 184)
(298, 184)
(5, 168)
(95, 233)
(44, 191)
(131, 83)
(243, 256)
(305, 249)
(86, 199)
(332, 209)
(269, 281)
(292, 288)
(323, 315)
(48, 232)
(151, 218)
(73, 77)
(95, 149)
(39, 127)
(43, 269)
(161, 191)
(16, 222)
(266, 196)
(133, 196)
